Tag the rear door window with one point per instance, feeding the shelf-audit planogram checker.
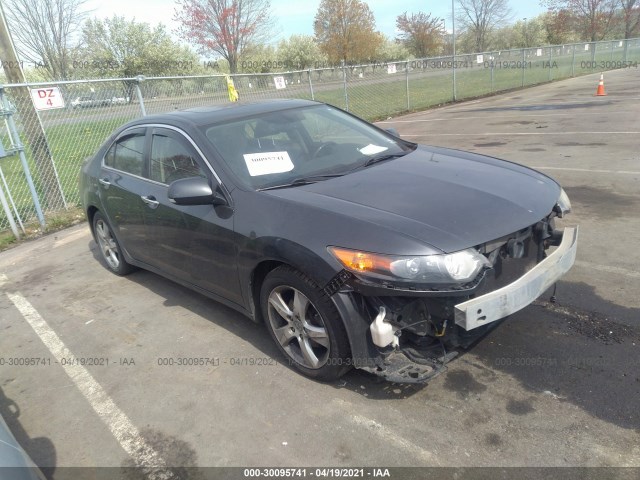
(127, 154)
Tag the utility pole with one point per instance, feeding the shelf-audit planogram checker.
(32, 129)
(453, 39)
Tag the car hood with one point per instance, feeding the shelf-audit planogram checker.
(448, 199)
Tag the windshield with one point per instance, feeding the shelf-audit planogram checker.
(281, 147)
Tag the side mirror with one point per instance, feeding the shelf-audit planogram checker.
(194, 191)
(392, 131)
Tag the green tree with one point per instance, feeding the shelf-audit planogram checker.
(258, 59)
(116, 47)
(391, 51)
(420, 33)
(346, 31)
(300, 52)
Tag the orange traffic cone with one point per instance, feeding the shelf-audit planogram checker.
(600, 92)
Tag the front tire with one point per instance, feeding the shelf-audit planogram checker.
(110, 250)
(305, 324)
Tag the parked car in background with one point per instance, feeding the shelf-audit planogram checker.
(87, 101)
(119, 100)
(356, 248)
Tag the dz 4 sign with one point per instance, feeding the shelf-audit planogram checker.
(47, 98)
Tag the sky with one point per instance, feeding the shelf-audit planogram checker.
(296, 16)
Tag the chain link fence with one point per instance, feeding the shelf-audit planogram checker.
(57, 141)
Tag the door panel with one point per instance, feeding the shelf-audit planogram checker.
(193, 243)
(120, 180)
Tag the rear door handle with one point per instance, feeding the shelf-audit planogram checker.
(105, 182)
(150, 200)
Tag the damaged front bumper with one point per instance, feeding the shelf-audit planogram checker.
(517, 295)
(428, 324)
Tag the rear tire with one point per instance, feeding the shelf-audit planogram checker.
(110, 250)
(305, 324)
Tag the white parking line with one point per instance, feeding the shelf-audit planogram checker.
(522, 115)
(507, 134)
(589, 170)
(608, 269)
(144, 456)
(390, 437)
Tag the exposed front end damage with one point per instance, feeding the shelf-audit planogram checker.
(409, 334)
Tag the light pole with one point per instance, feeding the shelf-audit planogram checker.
(453, 41)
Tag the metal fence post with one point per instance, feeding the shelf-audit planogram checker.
(310, 85)
(9, 214)
(406, 70)
(626, 50)
(550, 62)
(523, 65)
(17, 144)
(593, 52)
(10, 197)
(573, 62)
(491, 63)
(344, 79)
(140, 79)
(612, 47)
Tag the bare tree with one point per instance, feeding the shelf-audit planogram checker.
(631, 17)
(480, 17)
(225, 27)
(45, 32)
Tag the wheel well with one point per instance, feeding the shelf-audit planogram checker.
(257, 277)
(91, 211)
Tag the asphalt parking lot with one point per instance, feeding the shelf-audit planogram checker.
(555, 385)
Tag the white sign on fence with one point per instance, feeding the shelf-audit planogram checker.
(391, 68)
(280, 83)
(586, 47)
(47, 98)
(479, 59)
(539, 52)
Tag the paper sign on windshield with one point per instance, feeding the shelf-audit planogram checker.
(268, 163)
(372, 149)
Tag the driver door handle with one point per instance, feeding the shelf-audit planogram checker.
(150, 200)
(105, 182)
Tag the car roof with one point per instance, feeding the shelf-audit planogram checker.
(221, 113)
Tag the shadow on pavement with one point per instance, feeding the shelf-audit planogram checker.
(40, 449)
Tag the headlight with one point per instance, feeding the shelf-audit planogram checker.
(564, 204)
(460, 267)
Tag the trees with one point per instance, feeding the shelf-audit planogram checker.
(225, 27)
(392, 51)
(300, 52)
(45, 30)
(591, 19)
(558, 27)
(116, 47)
(480, 17)
(345, 31)
(630, 17)
(421, 34)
